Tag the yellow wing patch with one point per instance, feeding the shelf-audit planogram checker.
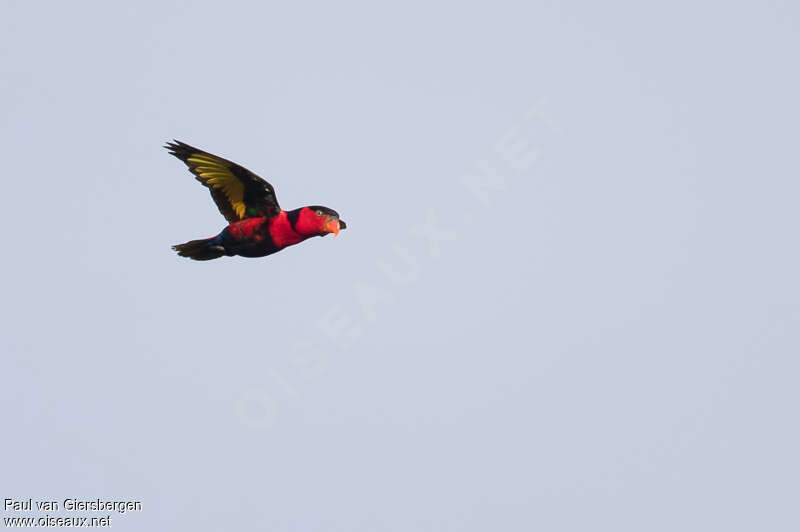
(215, 174)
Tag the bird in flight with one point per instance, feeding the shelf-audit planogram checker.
(257, 226)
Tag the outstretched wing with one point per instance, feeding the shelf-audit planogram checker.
(238, 192)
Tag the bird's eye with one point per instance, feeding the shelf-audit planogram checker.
(319, 213)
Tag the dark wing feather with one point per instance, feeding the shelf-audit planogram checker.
(238, 192)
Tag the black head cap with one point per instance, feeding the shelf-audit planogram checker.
(325, 210)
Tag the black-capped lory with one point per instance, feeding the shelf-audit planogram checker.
(257, 226)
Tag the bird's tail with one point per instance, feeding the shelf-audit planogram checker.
(203, 249)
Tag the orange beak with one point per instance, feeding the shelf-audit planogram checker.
(333, 227)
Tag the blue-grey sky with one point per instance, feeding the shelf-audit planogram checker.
(566, 300)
